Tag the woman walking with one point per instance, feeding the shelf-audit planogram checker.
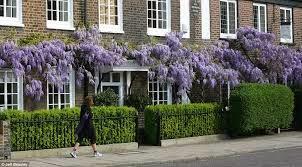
(85, 129)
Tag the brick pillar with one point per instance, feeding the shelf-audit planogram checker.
(5, 149)
(273, 20)
(245, 13)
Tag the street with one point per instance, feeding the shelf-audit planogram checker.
(289, 157)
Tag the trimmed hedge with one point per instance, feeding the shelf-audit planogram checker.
(47, 129)
(179, 121)
(259, 107)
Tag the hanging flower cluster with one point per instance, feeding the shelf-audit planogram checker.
(257, 59)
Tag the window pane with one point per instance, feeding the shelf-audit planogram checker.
(106, 77)
(1, 99)
(62, 98)
(60, 16)
(15, 88)
(15, 99)
(1, 11)
(54, 15)
(48, 4)
(65, 16)
(9, 99)
(56, 99)
(8, 12)
(262, 19)
(50, 99)
(282, 15)
(223, 17)
(1, 2)
(66, 6)
(115, 77)
(14, 3)
(232, 21)
(9, 88)
(54, 4)
(67, 98)
(60, 5)
(1, 87)
(255, 11)
(8, 2)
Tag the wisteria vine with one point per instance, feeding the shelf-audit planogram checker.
(256, 58)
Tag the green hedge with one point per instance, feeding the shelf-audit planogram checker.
(47, 129)
(179, 121)
(259, 107)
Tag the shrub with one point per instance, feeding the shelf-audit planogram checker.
(45, 129)
(178, 121)
(260, 107)
(106, 98)
(138, 101)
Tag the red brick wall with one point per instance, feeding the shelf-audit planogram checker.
(245, 13)
(297, 19)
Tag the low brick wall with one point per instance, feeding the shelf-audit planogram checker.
(5, 150)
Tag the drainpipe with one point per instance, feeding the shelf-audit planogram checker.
(85, 13)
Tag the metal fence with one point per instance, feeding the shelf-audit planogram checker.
(60, 133)
(190, 125)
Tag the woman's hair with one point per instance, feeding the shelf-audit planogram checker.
(88, 101)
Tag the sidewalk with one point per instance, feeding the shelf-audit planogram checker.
(149, 154)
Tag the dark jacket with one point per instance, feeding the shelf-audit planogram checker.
(85, 129)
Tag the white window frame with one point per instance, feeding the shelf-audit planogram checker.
(106, 28)
(228, 35)
(61, 25)
(284, 40)
(19, 90)
(10, 21)
(185, 18)
(169, 92)
(119, 84)
(71, 90)
(258, 5)
(159, 31)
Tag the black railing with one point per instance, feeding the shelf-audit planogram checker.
(59, 133)
(171, 126)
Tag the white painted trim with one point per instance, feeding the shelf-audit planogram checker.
(259, 14)
(169, 92)
(119, 84)
(128, 80)
(106, 28)
(14, 22)
(206, 19)
(158, 31)
(185, 17)
(20, 93)
(229, 35)
(284, 40)
(71, 91)
(61, 25)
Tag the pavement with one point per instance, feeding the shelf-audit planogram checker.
(152, 154)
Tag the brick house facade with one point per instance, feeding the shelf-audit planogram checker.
(205, 21)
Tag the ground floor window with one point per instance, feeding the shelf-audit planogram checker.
(61, 97)
(159, 93)
(114, 81)
(10, 91)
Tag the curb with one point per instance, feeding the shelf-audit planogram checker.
(64, 152)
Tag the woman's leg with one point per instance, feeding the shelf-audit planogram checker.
(94, 147)
(76, 147)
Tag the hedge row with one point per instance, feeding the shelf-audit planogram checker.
(47, 129)
(259, 107)
(179, 121)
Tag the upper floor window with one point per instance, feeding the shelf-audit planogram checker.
(286, 29)
(11, 91)
(60, 14)
(260, 19)
(63, 97)
(159, 17)
(228, 18)
(111, 16)
(11, 13)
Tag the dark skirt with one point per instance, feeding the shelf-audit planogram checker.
(87, 133)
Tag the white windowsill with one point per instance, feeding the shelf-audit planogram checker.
(111, 29)
(59, 26)
(283, 40)
(11, 23)
(228, 36)
(157, 32)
